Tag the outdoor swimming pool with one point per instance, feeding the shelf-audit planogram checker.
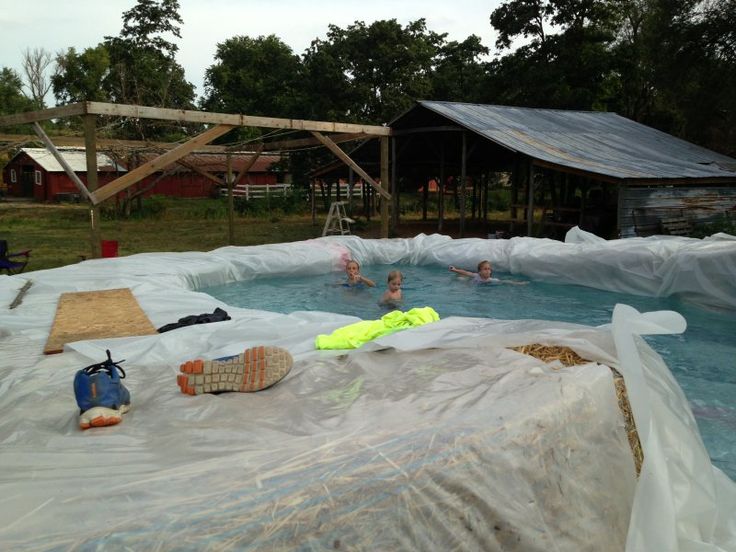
(701, 359)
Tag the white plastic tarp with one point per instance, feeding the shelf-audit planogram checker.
(436, 437)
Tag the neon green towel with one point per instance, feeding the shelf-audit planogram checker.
(353, 336)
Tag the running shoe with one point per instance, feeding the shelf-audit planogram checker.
(101, 397)
(252, 370)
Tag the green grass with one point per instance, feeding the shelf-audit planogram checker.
(59, 234)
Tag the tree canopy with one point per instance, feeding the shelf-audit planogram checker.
(670, 64)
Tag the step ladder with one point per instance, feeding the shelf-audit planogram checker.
(337, 221)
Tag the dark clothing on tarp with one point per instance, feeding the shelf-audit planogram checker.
(218, 315)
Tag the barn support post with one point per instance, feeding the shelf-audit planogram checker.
(463, 190)
(351, 189)
(441, 189)
(230, 200)
(312, 199)
(394, 188)
(90, 147)
(384, 186)
(530, 206)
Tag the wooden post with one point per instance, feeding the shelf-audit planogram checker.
(384, 186)
(462, 186)
(230, 200)
(394, 189)
(90, 147)
(530, 207)
(484, 202)
(441, 189)
(351, 186)
(313, 189)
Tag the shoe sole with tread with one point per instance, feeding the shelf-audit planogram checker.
(100, 416)
(254, 369)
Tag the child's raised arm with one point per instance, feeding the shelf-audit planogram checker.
(366, 281)
(461, 271)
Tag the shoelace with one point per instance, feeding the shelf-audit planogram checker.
(106, 366)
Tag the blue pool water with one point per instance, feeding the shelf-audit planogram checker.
(701, 359)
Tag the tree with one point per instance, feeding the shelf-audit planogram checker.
(255, 76)
(378, 70)
(675, 68)
(12, 99)
(566, 69)
(35, 65)
(143, 69)
(81, 76)
(459, 75)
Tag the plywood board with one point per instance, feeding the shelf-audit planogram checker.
(96, 315)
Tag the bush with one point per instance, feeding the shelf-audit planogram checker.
(723, 223)
(289, 204)
(499, 200)
(152, 207)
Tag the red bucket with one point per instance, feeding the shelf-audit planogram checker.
(109, 248)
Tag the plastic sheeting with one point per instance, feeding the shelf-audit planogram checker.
(435, 437)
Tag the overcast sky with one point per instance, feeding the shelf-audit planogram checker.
(59, 24)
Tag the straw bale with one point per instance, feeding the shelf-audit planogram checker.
(568, 357)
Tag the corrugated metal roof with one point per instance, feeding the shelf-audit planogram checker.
(596, 142)
(76, 159)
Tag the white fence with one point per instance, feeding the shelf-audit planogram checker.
(257, 191)
(344, 189)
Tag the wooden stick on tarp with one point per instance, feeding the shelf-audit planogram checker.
(19, 298)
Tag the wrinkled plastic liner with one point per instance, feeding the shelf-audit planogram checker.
(433, 438)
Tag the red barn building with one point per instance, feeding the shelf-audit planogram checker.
(34, 172)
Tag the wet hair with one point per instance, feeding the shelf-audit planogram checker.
(347, 264)
(480, 264)
(394, 274)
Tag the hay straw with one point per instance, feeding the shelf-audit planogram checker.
(568, 357)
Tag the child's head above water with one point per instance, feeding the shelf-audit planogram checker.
(485, 270)
(352, 267)
(394, 280)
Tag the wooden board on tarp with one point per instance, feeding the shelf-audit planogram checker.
(96, 315)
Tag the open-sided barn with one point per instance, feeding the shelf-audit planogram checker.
(601, 171)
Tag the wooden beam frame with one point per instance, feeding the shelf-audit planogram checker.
(43, 115)
(105, 143)
(248, 165)
(425, 130)
(345, 158)
(306, 142)
(194, 168)
(183, 115)
(161, 161)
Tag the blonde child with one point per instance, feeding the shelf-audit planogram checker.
(393, 293)
(484, 274)
(355, 278)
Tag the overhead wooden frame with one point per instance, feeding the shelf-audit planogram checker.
(223, 122)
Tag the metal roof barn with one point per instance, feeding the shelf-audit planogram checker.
(601, 143)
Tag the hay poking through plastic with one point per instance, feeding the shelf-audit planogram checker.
(568, 357)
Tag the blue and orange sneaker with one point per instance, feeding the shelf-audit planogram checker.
(252, 370)
(101, 397)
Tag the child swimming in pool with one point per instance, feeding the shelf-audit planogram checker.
(355, 278)
(484, 274)
(392, 295)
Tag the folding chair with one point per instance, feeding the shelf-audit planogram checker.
(6, 259)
